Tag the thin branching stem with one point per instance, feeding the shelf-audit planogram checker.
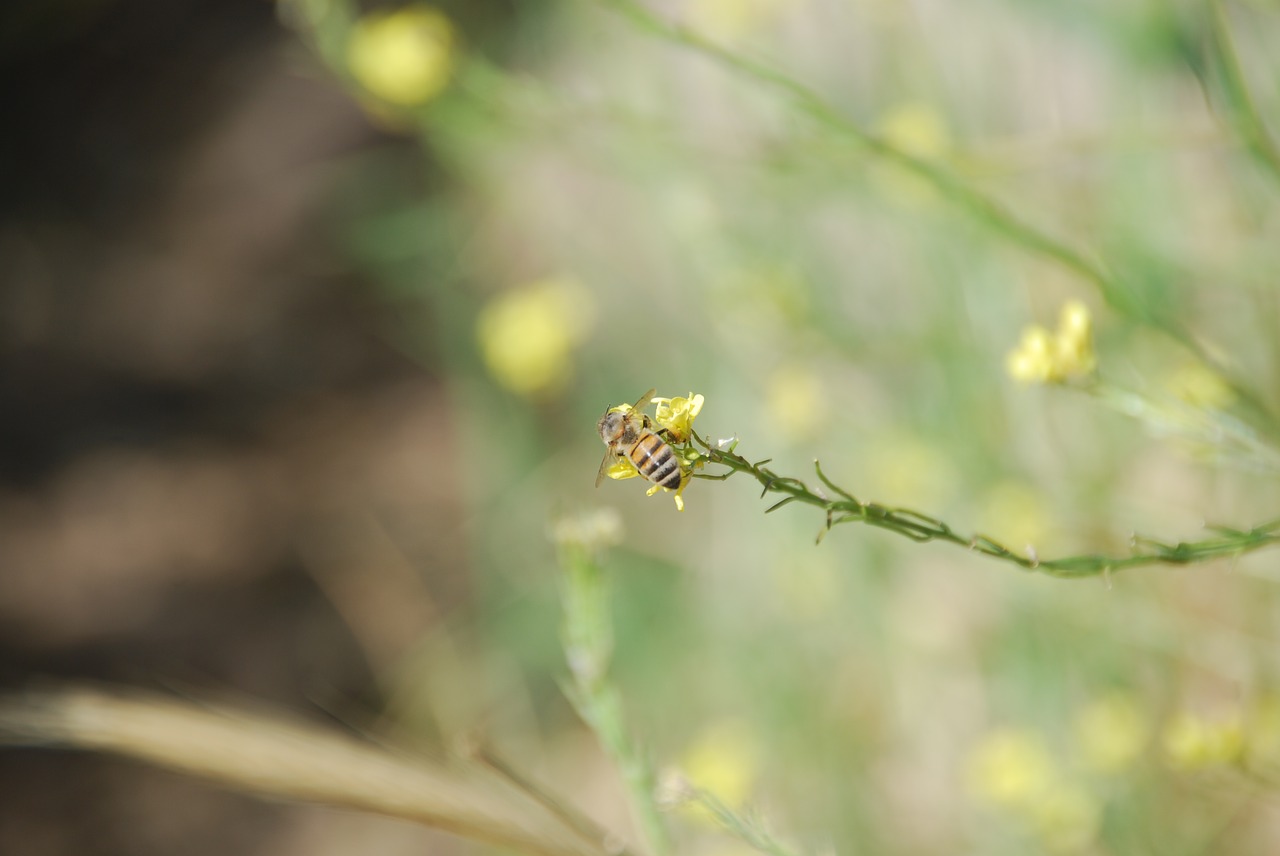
(921, 527)
(746, 826)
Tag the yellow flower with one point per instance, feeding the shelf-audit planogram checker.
(729, 20)
(1200, 386)
(622, 468)
(917, 129)
(1010, 768)
(796, 401)
(1264, 731)
(1018, 513)
(527, 336)
(902, 467)
(1030, 362)
(1192, 742)
(1112, 733)
(677, 415)
(1067, 818)
(724, 761)
(679, 492)
(1044, 357)
(402, 57)
(1075, 341)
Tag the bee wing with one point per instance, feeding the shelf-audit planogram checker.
(644, 399)
(604, 466)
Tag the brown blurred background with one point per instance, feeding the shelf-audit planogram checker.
(205, 435)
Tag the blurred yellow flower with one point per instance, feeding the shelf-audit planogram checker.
(1031, 361)
(1200, 386)
(1066, 818)
(1192, 742)
(1263, 734)
(527, 336)
(1044, 357)
(403, 57)
(795, 401)
(727, 20)
(1112, 732)
(677, 415)
(901, 468)
(917, 129)
(1017, 513)
(724, 761)
(1075, 340)
(1010, 768)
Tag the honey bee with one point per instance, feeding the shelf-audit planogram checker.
(631, 435)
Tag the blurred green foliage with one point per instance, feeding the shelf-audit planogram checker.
(833, 220)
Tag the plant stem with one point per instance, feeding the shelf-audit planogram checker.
(588, 642)
(1244, 111)
(747, 827)
(921, 527)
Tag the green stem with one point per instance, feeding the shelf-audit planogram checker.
(921, 527)
(588, 642)
(1244, 112)
(982, 207)
(747, 827)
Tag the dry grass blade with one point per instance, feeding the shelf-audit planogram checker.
(279, 758)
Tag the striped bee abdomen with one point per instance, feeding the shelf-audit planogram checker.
(655, 461)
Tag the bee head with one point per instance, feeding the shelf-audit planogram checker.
(611, 426)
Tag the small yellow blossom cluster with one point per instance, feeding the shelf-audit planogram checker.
(1193, 742)
(1014, 770)
(1045, 357)
(675, 416)
(1248, 735)
(402, 58)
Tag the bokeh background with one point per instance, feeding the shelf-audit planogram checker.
(308, 311)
